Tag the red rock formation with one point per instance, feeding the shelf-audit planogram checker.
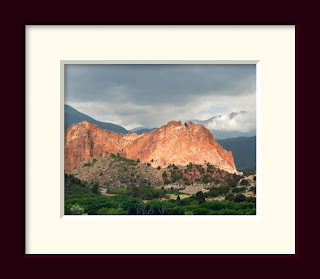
(170, 144)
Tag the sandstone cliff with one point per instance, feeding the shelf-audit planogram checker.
(174, 143)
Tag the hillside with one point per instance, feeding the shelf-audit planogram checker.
(112, 184)
(72, 116)
(115, 171)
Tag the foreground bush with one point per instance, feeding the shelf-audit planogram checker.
(76, 210)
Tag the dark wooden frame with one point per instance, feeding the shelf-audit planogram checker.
(14, 258)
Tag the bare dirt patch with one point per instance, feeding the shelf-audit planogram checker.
(174, 196)
(193, 189)
(103, 192)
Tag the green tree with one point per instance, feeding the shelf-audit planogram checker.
(158, 167)
(95, 188)
(229, 197)
(200, 197)
(251, 199)
(178, 198)
(239, 198)
(138, 161)
(244, 182)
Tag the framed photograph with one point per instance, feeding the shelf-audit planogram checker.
(160, 132)
(177, 138)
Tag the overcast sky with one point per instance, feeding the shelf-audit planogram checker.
(152, 95)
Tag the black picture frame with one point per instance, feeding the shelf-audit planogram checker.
(15, 259)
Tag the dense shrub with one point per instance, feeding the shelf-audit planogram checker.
(238, 190)
(244, 182)
(251, 199)
(95, 188)
(239, 198)
(200, 197)
(229, 197)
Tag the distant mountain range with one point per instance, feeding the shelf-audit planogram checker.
(141, 130)
(72, 116)
(230, 116)
(243, 150)
(217, 134)
(223, 134)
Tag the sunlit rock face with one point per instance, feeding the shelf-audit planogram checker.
(173, 143)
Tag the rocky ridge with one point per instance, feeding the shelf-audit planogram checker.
(173, 143)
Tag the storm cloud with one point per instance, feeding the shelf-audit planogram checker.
(151, 95)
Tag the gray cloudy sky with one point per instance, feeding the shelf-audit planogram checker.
(151, 95)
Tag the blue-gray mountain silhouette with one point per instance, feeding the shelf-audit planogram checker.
(243, 150)
(72, 116)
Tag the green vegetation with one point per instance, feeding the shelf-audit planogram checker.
(90, 165)
(217, 191)
(238, 190)
(135, 195)
(200, 197)
(142, 192)
(244, 182)
(253, 189)
(75, 188)
(95, 188)
(76, 210)
(123, 204)
(239, 198)
(229, 197)
(119, 158)
(251, 199)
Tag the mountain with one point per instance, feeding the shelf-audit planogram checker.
(173, 143)
(140, 130)
(72, 116)
(243, 150)
(218, 134)
(136, 129)
(222, 121)
(230, 116)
